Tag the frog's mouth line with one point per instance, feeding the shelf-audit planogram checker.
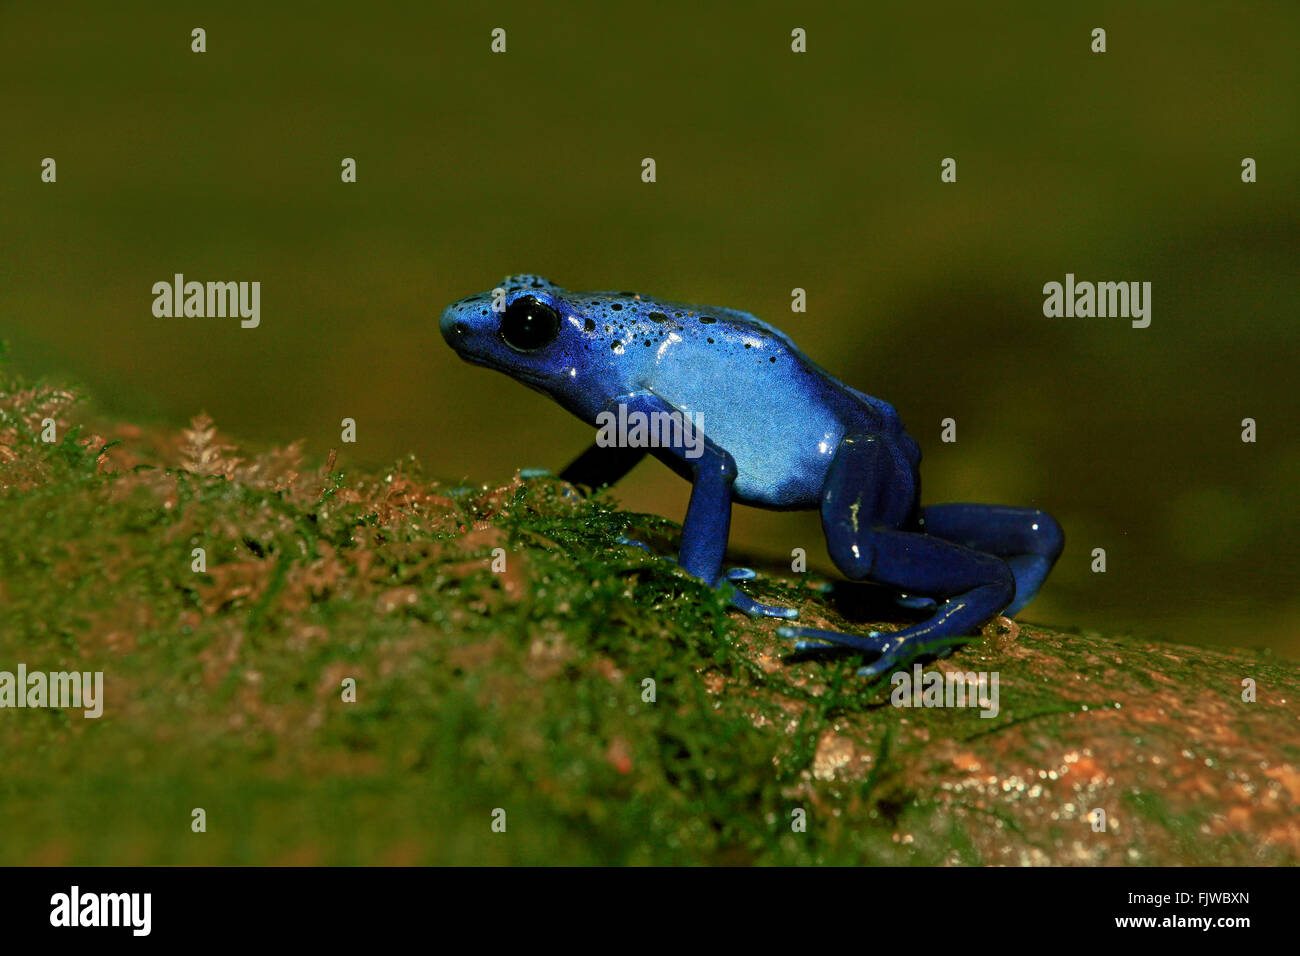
(524, 376)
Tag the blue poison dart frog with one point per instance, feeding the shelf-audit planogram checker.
(778, 432)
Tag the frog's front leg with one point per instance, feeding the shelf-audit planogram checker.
(731, 574)
(708, 515)
(595, 468)
(863, 505)
(602, 465)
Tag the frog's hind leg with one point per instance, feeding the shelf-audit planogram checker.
(1027, 539)
(867, 494)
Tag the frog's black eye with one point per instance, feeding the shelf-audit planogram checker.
(529, 324)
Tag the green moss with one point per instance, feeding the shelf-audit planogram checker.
(523, 689)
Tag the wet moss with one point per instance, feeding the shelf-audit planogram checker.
(524, 687)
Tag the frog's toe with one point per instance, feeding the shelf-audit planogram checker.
(529, 473)
(814, 639)
(889, 654)
(743, 602)
(637, 544)
(899, 655)
(883, 665)
(915, 602)
(889, 650)
(740, 574)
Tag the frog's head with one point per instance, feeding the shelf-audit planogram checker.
(526, 328)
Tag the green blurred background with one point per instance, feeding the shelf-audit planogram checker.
(775, 171)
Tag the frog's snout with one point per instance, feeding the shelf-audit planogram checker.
(455, 326)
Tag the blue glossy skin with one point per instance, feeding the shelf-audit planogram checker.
(779, 433)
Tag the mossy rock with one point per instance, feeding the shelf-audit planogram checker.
(524, 689)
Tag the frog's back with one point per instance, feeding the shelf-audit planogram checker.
(779, 414)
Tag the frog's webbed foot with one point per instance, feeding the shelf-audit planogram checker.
(743, 602)
(729, 574)
(892, 649)
(739, 599)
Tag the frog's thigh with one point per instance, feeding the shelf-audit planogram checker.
(868, 495)
(867, 485)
